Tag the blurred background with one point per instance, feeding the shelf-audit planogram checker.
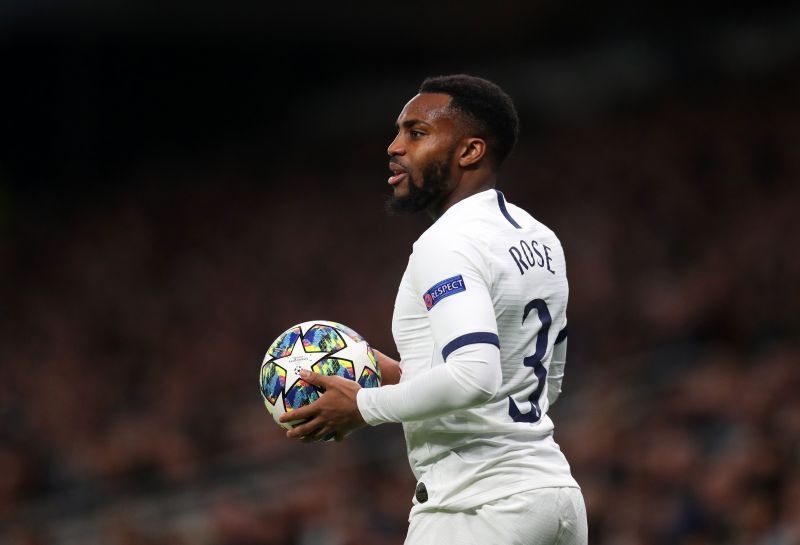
(180, 183)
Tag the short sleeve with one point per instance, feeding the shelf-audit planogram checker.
(452, 278)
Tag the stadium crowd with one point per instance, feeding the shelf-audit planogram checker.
(134, 324)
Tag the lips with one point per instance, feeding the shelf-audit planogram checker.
(398, 173)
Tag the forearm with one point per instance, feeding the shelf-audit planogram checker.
(390, 368)
(556, 373)
(470, 377)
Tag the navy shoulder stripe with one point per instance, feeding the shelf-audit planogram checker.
(480, 337)
(561, 335)
(501, 202)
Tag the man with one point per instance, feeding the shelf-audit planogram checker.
(480, 325)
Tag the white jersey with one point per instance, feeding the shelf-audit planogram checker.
(485, 272)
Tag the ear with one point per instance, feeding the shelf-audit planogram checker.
(472, 151)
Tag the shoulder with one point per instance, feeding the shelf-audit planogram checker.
(448, 248)
(462, 236)
(476, 218)
(456, 242)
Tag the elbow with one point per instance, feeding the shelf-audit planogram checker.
(494, 386)
(481, 396)
(476, 369)
(488, 385)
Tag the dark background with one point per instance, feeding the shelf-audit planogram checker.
(179, 184)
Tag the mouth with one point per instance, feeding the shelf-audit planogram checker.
(398, 173)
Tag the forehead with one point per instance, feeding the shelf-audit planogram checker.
(427, 107)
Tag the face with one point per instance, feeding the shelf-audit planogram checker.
(422, 154)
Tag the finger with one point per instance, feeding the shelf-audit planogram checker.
(305, 429)
(311, 432)
(306, 412)
(319, 434)
(325, 434)
(294, 416)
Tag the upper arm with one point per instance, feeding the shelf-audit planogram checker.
(451, 277)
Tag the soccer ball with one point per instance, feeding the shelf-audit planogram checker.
(327, 348)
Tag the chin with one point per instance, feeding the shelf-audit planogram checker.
(400, 190)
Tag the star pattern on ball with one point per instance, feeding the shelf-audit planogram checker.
(298, 359)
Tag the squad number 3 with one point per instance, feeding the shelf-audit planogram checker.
(534, 361)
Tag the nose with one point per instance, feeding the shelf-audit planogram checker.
(396, 147)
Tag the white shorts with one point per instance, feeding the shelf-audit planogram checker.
(545, 516)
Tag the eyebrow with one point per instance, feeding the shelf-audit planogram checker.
(408, 123)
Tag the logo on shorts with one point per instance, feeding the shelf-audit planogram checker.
(421, 492)
(445, 288)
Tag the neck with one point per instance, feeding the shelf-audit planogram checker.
(468, 185)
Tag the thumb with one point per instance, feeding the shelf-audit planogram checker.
(315, 379)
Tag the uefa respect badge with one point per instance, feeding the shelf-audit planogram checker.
(445, 288)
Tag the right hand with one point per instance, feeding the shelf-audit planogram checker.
(390, 368)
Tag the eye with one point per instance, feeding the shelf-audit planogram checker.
(415, 134)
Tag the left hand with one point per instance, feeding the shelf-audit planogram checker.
(335, 412)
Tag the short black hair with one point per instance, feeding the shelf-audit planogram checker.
(488, 110)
